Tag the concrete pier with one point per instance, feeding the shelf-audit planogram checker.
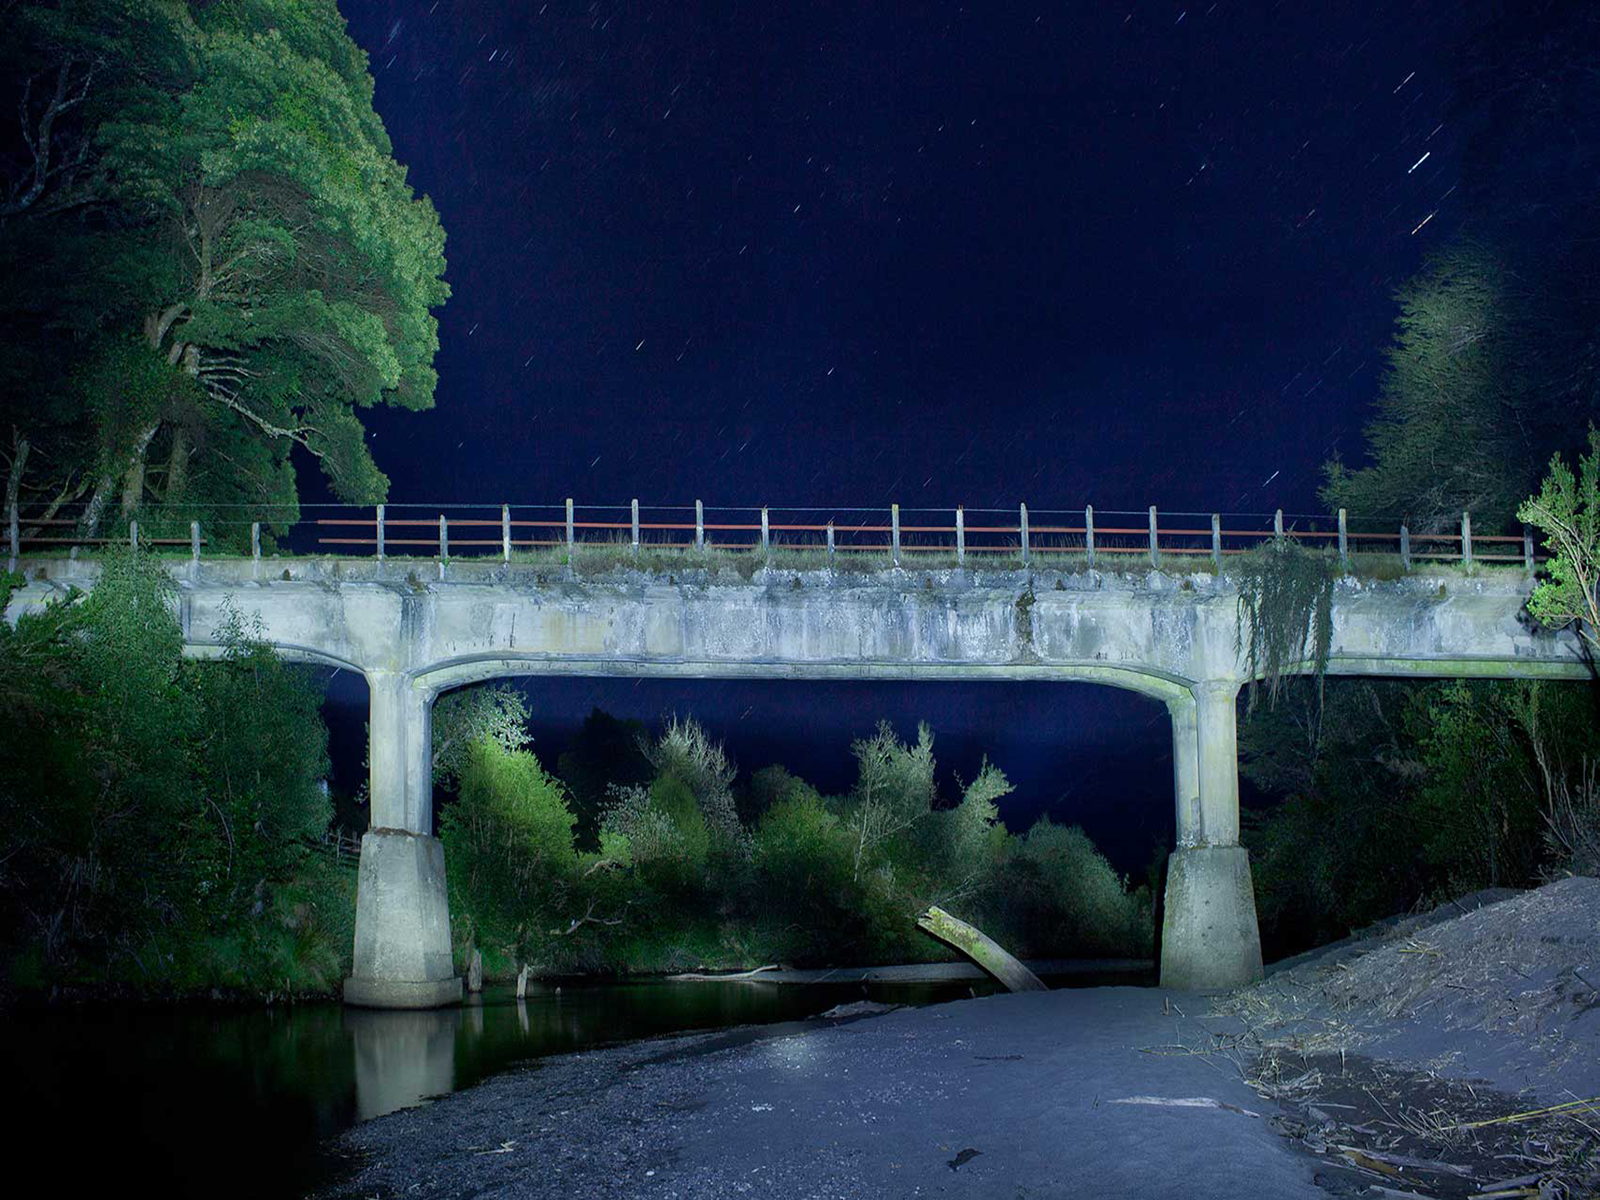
(1209, 936)
(402, 950)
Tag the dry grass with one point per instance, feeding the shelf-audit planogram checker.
(1374, 1052)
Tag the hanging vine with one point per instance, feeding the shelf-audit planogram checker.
(1285, 610)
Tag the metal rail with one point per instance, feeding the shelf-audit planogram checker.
(624, 530)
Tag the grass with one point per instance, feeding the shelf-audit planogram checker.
(1115, 556)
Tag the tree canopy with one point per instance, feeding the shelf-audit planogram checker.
(218, 257)
(1494, 365)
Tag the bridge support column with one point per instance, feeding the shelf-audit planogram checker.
(402, 945)
(1209, 937)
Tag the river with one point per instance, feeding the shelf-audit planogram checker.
(197, 1100)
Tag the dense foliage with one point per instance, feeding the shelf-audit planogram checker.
(1401, 793)
(212, 258)
(686, 869)
(156, 813)
(1567, 512)
(1391, 794)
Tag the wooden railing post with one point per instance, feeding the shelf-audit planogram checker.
(894, 534)
(1155, 550)
(635, 507)
(699, 526)
(133, 535)
(444, 538)
(1216, 540)
(830, 544)
(505, 533)
(15, 537)
(194, 542)
(1088, 531)
(380, 533)
(1466, 539)
(1405, 548)
(1527, 550)
(569, 528)
(766, 537)
(1344, 543)
(1022, 528)
(1277, 526)
(961, 537)
(255, 547)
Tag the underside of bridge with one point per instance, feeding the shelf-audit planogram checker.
(1209, 937)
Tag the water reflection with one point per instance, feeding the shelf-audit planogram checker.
(402, 1058)
(406, 1058)
(245, 1099)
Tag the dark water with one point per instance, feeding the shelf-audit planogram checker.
(196, 1101)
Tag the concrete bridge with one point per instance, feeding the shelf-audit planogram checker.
(416, 629)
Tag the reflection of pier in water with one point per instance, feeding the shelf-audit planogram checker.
(406, 1057)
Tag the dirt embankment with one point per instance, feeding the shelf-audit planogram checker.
(1455, 1053)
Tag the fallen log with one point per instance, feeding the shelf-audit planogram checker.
(981, 949)
(697, 976)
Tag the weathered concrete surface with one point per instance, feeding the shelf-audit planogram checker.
(418, 628)
(1154, 633)
(1209, 936)
(402, 946)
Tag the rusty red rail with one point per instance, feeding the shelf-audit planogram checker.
(933, 533)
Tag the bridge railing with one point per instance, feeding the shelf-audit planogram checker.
(891, 536)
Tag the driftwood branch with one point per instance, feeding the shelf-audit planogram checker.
(981, 949)
(697, 975)
(588, 918)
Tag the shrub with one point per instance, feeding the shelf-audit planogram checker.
(508, 840)
(686, 753)
(1063, 896)
(151, 807)
(1572, 826)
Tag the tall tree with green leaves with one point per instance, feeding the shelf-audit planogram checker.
(1489, 367)
(241, 223)
(1495, 363)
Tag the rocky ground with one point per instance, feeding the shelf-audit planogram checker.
(1404, 1063)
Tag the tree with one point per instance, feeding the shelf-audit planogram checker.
(1567, 512)
(685, 752)
(894, 790)
(468, 716)
(508, 838)
(142, 818)
(240, 221)
(1476, 392)
(72, 66)
(605, 750)
(1496, 362)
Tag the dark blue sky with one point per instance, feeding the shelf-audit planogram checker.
(1120, 254)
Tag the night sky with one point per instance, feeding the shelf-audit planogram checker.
(934, 254)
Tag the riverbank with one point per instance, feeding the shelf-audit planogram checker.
(1106, 1091)
(1037, 1087)
(1449, 1050)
